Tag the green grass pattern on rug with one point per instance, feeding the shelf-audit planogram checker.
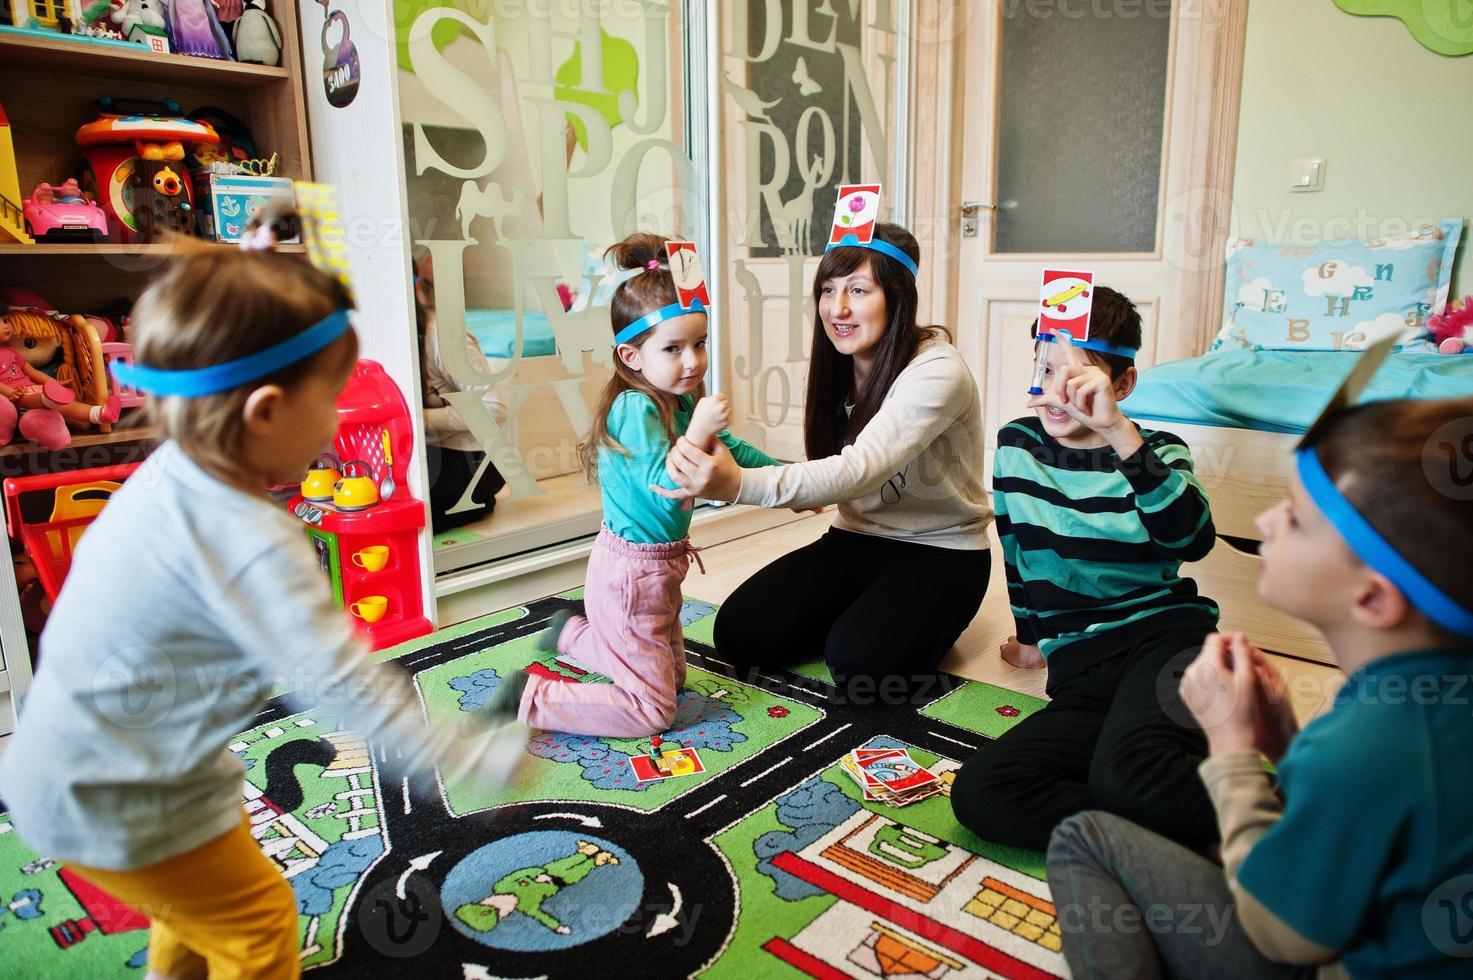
(772, 803)
(983, 708)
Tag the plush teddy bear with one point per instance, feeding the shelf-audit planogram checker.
(1452, 330)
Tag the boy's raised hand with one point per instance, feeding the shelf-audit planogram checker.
(1081, 389)
(1220, 688)
(1277, 725)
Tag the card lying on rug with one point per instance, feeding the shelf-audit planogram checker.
(890, 776)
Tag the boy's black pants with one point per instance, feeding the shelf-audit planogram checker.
(1116, 737)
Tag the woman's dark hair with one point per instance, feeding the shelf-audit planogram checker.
(636, 296)
(826, 427)
(1402, 464)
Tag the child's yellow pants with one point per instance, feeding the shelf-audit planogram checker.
(222, 910)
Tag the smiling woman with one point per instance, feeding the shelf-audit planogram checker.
(893, 432)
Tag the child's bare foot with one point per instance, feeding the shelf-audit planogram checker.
(1024, 655)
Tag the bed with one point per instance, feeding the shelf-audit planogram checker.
(1242, 412)
(496, 331)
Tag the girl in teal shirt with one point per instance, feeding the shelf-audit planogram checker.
(632, 596)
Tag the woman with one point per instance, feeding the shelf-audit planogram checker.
(893, 432)
(451, 450)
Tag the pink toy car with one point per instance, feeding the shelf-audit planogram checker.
(63, 214)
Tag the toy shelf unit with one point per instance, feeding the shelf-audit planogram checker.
(50, 90)
(56, 157)
(369, 546)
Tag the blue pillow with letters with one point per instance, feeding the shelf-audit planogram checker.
(1332, 295)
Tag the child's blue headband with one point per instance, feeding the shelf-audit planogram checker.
(1098, 346)
(1376, 551)
(195, 382)
(877, 245)
(656, 316)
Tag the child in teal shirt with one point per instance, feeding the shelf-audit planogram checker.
(1364, 855)
(632, 596)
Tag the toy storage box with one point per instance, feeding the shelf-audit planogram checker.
(226, 202)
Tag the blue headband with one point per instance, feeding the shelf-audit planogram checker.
(656, 316)
(216, 378)
(1098, 346)
(1376, 551)
(876, 245)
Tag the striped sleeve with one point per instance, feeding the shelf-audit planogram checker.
(1169, 499)
(1011, 435)
(1017, 594)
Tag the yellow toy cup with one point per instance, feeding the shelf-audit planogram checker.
(373, 558)
(370, 608)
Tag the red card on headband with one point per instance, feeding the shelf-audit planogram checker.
(856, 212)
(685, 269)
(1064, 302)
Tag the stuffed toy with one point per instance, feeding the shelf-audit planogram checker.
(1452, 330)
(256, 36)
(30, 400)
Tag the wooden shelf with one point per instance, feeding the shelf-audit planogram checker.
(127, 433)
(86, 278)
(72, 250)
(62, 53)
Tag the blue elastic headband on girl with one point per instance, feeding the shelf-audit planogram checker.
(650, 319)
(1098, 346)
(216, 378)
(1376, 551)
(876, 245)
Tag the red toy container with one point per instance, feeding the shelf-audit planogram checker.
(79, 497)
(372, 555)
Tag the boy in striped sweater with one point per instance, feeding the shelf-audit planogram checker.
(1096, 515)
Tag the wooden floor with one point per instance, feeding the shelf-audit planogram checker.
(1312, 686)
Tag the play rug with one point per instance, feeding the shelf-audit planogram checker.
(756, 856)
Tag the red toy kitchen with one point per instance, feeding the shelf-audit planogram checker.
(362, 521)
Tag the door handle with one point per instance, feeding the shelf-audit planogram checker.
(971, 211)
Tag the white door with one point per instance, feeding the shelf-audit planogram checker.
(1084, 149)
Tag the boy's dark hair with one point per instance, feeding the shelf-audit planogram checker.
(1403, 465)
(1114, 319)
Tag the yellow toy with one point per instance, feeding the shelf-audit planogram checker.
(1059, 299)
(12, 220)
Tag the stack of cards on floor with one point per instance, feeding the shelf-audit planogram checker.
(890, 776)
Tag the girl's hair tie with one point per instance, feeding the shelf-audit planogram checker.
(652, 265)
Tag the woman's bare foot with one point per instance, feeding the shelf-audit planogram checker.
(1023, 655)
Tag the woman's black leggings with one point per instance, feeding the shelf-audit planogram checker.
(451, 471)
(881, 612)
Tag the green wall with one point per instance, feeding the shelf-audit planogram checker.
(1392, 119)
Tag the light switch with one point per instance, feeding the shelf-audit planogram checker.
(1307, 174)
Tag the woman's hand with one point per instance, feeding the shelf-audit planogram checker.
(711, 476)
